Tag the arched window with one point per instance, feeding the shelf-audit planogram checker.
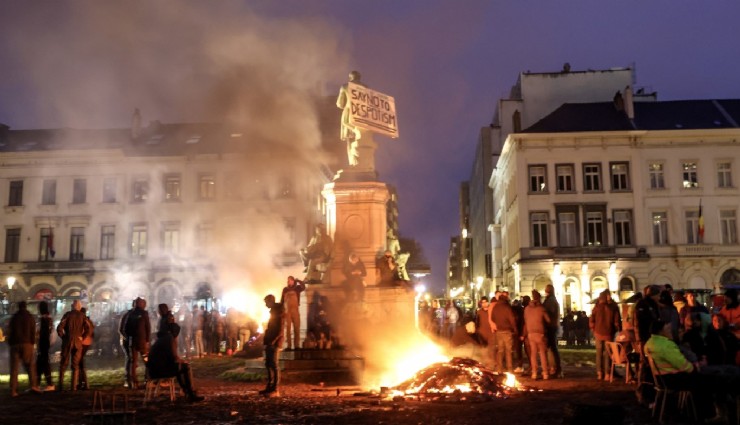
(730, 277)
(626, 284)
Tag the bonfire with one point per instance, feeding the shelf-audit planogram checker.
(458, 379)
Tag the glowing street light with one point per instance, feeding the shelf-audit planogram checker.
(10, 280)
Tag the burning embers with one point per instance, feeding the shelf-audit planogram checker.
(458, 379)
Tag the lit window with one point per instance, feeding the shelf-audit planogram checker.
(537, 178)
(138, 240)
(660, 228)
(690, 176)
(623, 227)
(657, 180)
(620, 176)
(207, 187)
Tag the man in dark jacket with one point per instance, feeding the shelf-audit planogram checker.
(124, 339)
(138, 331)
(164, 361)
(552, 307)
(273, 340)
(72, 329)
(46, 327)
(22, 335)
(503, 317)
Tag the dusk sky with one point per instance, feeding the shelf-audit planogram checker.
(88, 64)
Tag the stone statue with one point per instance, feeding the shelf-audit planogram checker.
(349, 132)
(317, 254)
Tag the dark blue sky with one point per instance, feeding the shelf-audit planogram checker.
(445, 62)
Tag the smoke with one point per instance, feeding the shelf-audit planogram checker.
(88, 65)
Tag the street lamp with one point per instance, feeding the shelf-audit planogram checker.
(11, 282)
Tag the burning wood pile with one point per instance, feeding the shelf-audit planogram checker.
(458, 379)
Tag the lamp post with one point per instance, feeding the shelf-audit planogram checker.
(11, 282)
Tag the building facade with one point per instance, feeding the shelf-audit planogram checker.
(168, 212)
(532, 97)
(619, 195)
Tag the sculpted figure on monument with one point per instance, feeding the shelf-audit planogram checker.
(316, 254)
(349, 132)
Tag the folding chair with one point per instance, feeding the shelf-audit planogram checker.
(685, 399)
(618, 355)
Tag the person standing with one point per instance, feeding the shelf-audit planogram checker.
(21, 337)
(291, 302)
(604, 324)
(503, 317)
(72, 329)
(536, 324)
(45, 333)
(273, 340)
(731, 311)
(453, 317)
(354, 271)
(552, 307)
(86, 344)
(139, 332)
(483, 329)
(198, 318)
(387, 269)
(124, 339)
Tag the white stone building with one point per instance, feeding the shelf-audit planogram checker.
(611, 195)
(168, 211)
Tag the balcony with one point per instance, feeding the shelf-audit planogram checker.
(699, 250)
(585, 251)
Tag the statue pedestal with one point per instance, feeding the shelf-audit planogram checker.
(357, 220)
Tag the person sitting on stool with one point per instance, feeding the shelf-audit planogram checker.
(165, 363)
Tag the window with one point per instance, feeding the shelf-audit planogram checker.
(49, 192)
(46, 244)
(690, 177)
(567, 234)
(109, 190)
(692, 226)
(539, 229)
(77, 243)
(171, 238)
(12, 245)
(172, 188)
(140, 190)
(620, 175)
(107, 242)
(138, 240)
(724, 174)
(204, 237)
(290, 227)
(537, 178)
(660, 228)
(623, 227)
(16, 193)
(592, 177)
(594, 228)
(728, 226)
(285, 188)
(657, 180)
(79, 191)
(207, 187)
(565, 178)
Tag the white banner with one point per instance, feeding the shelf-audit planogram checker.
(372, 110)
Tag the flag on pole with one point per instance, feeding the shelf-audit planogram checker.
(50, 243)
(700, 230)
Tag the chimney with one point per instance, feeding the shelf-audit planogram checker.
(629, 103)
(136, 124)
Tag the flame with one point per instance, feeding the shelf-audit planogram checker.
(407, 360)
(511, 381)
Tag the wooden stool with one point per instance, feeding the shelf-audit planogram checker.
(153, 386)
(112, 415)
